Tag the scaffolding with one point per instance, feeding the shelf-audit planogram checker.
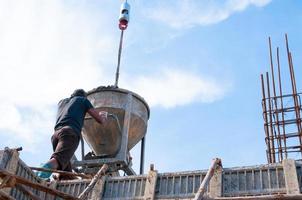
(281, 113)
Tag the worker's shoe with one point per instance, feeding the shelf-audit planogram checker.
(44, 175)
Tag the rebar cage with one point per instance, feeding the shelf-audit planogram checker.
(281, 114)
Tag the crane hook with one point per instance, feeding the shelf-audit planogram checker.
(124, 15)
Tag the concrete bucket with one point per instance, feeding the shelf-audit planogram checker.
(130, 115)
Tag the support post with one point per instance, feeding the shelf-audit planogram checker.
(89, 188)
(216, 183)
(141, 170)
(9, 162)
(203, 186)
(150, 184)
(290, 175)
(98, 190)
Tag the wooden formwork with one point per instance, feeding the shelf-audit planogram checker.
(274, 181)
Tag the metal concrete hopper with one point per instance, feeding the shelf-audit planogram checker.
(131, 111)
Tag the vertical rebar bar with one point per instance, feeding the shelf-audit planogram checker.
(267, 139)
(281, 103)
(294, 90)
(297, 106)
(271, 135)
(275, 113)
(272, 65)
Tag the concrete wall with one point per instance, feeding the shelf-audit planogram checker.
(285, 178)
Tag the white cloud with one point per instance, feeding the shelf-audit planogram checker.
(25, 129)
(181, 14)
(48, 49)
(173, 87)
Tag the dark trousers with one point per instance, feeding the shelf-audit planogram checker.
(64, 142)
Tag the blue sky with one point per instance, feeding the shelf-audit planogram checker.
(197, 64)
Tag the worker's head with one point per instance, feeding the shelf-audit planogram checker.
(79, 93)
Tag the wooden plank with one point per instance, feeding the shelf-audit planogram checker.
(98, 190)
(101, 172)
(4, 196)
(27, 192)
(207, 178)
(37, 186)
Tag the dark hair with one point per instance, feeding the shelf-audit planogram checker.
(79, 93)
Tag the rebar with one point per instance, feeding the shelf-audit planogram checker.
(294, 91)
(267, 140)
(271, 135)
(281, 100)
(276, 115)
(281, 121)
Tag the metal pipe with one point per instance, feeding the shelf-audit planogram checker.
(267, 139)
(281, 102)
(142, 161)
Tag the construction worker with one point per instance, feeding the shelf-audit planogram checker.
(67, 130)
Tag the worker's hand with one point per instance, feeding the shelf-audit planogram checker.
(103, 116)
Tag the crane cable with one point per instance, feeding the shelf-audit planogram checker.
(119, 59)
(123, 24)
